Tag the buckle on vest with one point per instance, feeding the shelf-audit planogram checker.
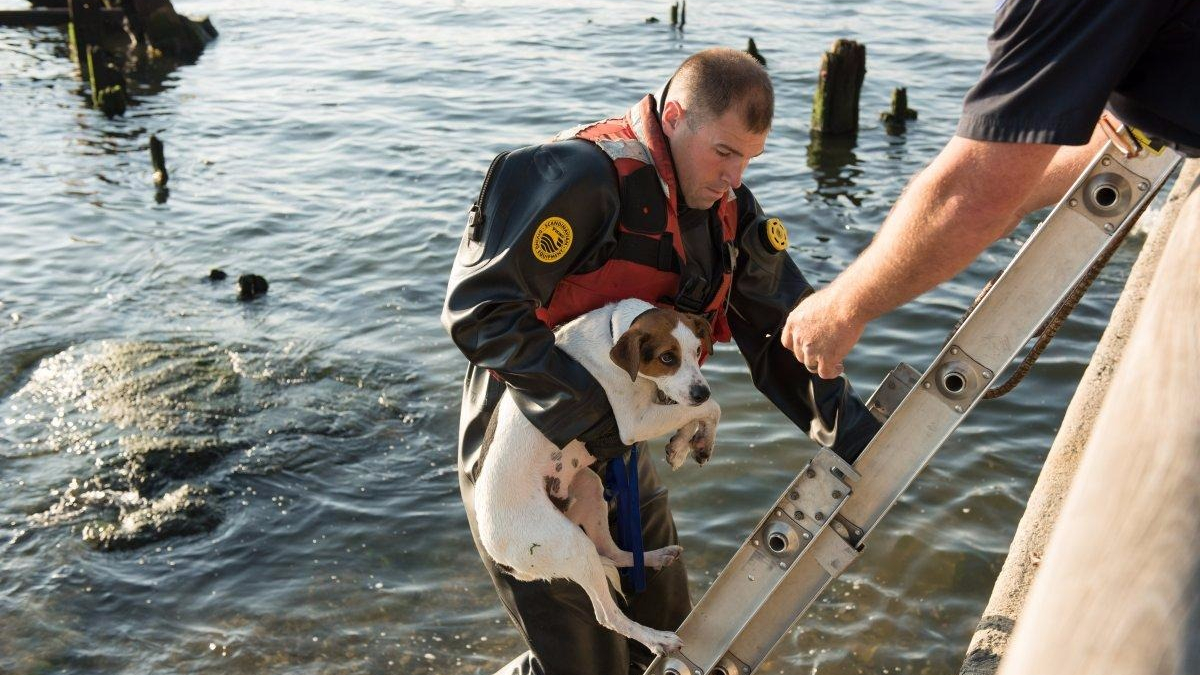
(693, 296)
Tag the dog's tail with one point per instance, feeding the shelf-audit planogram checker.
(614, 576)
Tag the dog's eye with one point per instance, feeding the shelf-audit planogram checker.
(667, 358)
(698, 351)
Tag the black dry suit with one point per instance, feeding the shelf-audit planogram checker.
(495, 290)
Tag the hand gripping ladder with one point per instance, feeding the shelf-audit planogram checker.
(817, 527)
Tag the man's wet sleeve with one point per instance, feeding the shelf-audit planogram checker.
(542, 211)
(767, 285)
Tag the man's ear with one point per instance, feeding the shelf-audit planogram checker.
(672, 117)
(703, 330)
(627, 353)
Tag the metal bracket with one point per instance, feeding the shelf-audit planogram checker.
(1105, 197)
(892, 391)
(957, 378)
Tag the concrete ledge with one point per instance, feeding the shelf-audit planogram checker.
(1029, 543)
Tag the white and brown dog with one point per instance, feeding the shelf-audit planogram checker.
(647, 361)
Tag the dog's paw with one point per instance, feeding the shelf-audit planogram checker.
(703, 442)
(679, 446)
(662, 642)
(661, 557)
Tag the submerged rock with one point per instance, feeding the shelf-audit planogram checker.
(183, 511)
(251, 286)
(149, 463)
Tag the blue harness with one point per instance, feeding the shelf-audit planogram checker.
(621, 484)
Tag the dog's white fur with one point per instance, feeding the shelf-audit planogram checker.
(525, 532)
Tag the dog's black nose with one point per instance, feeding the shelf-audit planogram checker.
(699, 394)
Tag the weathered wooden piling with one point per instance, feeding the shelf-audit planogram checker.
(106, 81)
(835, 104)
(682, 14)
(102, 72)
(896, 119)
(674, 13)
(158, 162)
(752, 50)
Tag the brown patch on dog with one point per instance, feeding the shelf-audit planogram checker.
(552, 486)
(648, 346)
(702, 328)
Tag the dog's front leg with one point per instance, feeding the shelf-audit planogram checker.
(698, 435)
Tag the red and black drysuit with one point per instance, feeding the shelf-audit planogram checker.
(614, 185)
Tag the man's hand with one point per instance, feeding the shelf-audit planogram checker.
(820, 334)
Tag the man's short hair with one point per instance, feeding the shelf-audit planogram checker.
(712, 81)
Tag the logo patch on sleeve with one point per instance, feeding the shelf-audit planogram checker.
(775, 234)
(552, 239)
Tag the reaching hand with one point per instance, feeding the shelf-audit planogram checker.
(820, 335)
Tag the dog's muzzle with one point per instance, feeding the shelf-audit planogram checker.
(662, 399)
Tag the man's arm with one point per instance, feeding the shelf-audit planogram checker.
(974, 193)
(498, 282)
(766, 286)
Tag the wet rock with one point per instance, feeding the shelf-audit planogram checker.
(217, 275)
(149, 463)
(251, 286)
(181, 512)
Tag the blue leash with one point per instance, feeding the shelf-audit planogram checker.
(621, 483)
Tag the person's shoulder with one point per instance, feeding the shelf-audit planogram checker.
(572, 161)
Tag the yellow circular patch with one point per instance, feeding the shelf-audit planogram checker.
(775, 234)
(552, 239)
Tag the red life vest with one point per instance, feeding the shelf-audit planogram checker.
(649, 255)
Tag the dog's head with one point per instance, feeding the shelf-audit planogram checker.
(666, 347)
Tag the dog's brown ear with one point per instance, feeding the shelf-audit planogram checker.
(703, 330)
(627, 353)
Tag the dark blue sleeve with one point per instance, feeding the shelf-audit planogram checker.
(767, 286)
(1053, 65)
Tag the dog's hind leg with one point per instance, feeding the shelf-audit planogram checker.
(589, 511)
(590, 575)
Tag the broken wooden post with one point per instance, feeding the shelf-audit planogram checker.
(106, 81)
(835, 104)
(895, 120)
(158, 162)
(97, 67)
(752, 50)
(83, 30)
(674, 13)
(682, 13)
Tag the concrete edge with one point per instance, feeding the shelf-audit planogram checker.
(1012, 585)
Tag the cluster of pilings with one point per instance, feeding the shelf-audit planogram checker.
(109, 37)
(835, 104)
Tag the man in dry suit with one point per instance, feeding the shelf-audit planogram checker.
(649, 205)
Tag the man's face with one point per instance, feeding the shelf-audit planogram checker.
(710, 158)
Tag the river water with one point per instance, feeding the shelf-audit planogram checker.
(190, 483)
